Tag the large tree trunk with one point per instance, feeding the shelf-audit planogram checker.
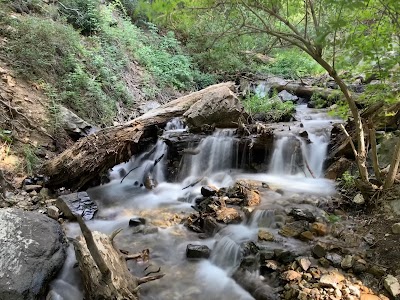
(103, 267)
(96, 154)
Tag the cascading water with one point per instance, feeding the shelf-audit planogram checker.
(295, 154)
(214, 161)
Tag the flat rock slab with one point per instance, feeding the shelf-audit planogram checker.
(32, 251)
(77, 204)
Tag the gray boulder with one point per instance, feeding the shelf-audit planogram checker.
(75, 126)
(32, 251)
(219, 107)
(77, 204)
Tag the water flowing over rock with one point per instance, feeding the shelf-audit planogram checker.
(32, 251)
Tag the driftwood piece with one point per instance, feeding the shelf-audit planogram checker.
(304, 90)
(104, 272)
(97, 153)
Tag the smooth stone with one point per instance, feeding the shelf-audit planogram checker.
(265, 235)
(396, 228)
(302, 214)
(137, 221)
(197, 251)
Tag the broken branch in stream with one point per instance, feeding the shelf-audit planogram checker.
(149, 278)
(193, 183)
(155, 163)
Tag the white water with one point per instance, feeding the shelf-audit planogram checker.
(297, 156)
(216, 163)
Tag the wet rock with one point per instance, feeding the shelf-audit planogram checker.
(304, 263)
(347, 262)
(137, 221)
(32, 251)
(291, 275)
(396, 228)
(319, 229)
(293, 229)
(211, 226)
(228, 215)
(77, 204)
(306, 236)
(302, 214)
(269, 266)
(252, 198)
(150, 230)
(334, 258)
(197, 251)
(249, 248)
(359, 199)
(32, 187)
(284, 256)
(53, 212)
(266, 255)
(319, 250)
(208, 191)
(392, 285)
(265, 235)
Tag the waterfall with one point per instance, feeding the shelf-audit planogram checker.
(217, 152)
(226, 254)
(296, 155)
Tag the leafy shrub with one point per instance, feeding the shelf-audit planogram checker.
(82, 14)
(292, 64)
(31, 160)
(39, 48)
(347, 180)
(271, 109)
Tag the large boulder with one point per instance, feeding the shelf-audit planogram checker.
(32, 251)
(77, 204)
(219, 107)
(75, 126)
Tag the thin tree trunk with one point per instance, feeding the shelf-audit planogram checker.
(375, 162)
(361, 158)
(394, 167)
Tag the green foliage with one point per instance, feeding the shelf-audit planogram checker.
(379, 92)
(272, 109)
(82, 14)
(31, 160)
(332, 218)
(292, 64)
(6, 136)
(347, 180)
(39, 48)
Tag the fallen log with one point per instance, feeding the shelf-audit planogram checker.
(304, 90)
(104, 272)
(97, 153)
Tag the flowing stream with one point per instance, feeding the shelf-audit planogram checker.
(295, 167)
